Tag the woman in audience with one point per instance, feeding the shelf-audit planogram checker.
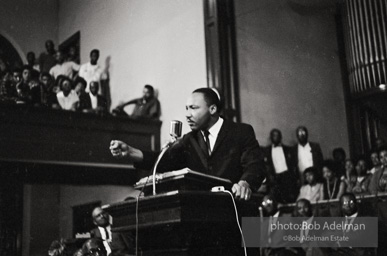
(374, 160)
(333, 187)
(359, 183)
(312, 191)
(379, 179)
(349, 173)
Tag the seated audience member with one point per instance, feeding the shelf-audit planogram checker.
(31, 62)
(80, 86)
(112, 242)
(16, 76)
(379, 179)
(91, 71)
(94, 247)
(379, 143)
(349, 173)
(36, 92)
(92, 102)
(146, 107)
(63, 68)
(47, 59)
(333, 187)
(350, 209)
(103, 229)
(307, 154)
(359, 183)
(279, 164)
(57, 248)
(78, 253)
(23, 88)
(339, 157)
(303, 208)
(7, 88)
(312, 191)
(67, 98)
(270, 206)
(49, 91)
(374, 160)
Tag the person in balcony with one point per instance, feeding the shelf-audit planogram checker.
(146, 107)
(333, 187)
(92, 102)
(67, 97)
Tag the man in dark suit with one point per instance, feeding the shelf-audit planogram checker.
(113, 242)
(350, 210)
(307, 154)
(280, 167)
(214, 146)
(92, 102)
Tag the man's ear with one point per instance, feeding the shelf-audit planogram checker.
(213, 109)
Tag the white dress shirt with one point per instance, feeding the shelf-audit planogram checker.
(213, 132)
(66, 68)
(278, 157)
(106, 240)
(67, 102)
(305, 157)
(91, 73)
(94, 101)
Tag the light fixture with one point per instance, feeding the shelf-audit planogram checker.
(382, 87)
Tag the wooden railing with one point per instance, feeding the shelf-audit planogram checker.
(38, 135)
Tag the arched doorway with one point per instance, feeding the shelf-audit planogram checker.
(9, 56)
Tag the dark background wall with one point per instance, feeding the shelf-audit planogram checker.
(289, 70)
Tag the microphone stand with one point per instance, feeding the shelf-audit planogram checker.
(163, 150)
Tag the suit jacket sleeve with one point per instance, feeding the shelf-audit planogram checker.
(251, 159)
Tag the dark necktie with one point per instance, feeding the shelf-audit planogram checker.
(206, 134)
(106, 233)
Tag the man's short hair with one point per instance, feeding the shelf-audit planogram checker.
(43, 74)
(17, 70)
(351, 195)
(30, 53)
(211, 97)
(312, 170)
(94, 51)
(26, 67)
(150, 88)
(80, 80)
(301, 127)
(275, 130)
(331, 165)
(382, 148)
(65, 78)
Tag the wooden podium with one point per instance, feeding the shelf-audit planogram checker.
(183, 222)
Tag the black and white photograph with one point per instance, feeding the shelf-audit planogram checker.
(179, 127)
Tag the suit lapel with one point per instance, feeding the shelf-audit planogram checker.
(198, 149)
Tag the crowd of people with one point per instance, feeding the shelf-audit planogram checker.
(56, 81)
(300, 177)
(300, 171)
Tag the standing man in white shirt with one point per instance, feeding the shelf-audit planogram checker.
(63, 68)
(91, 71)
(308, 154)
(280, 166)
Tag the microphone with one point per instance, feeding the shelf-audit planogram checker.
(175, 132)
(175, 128)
